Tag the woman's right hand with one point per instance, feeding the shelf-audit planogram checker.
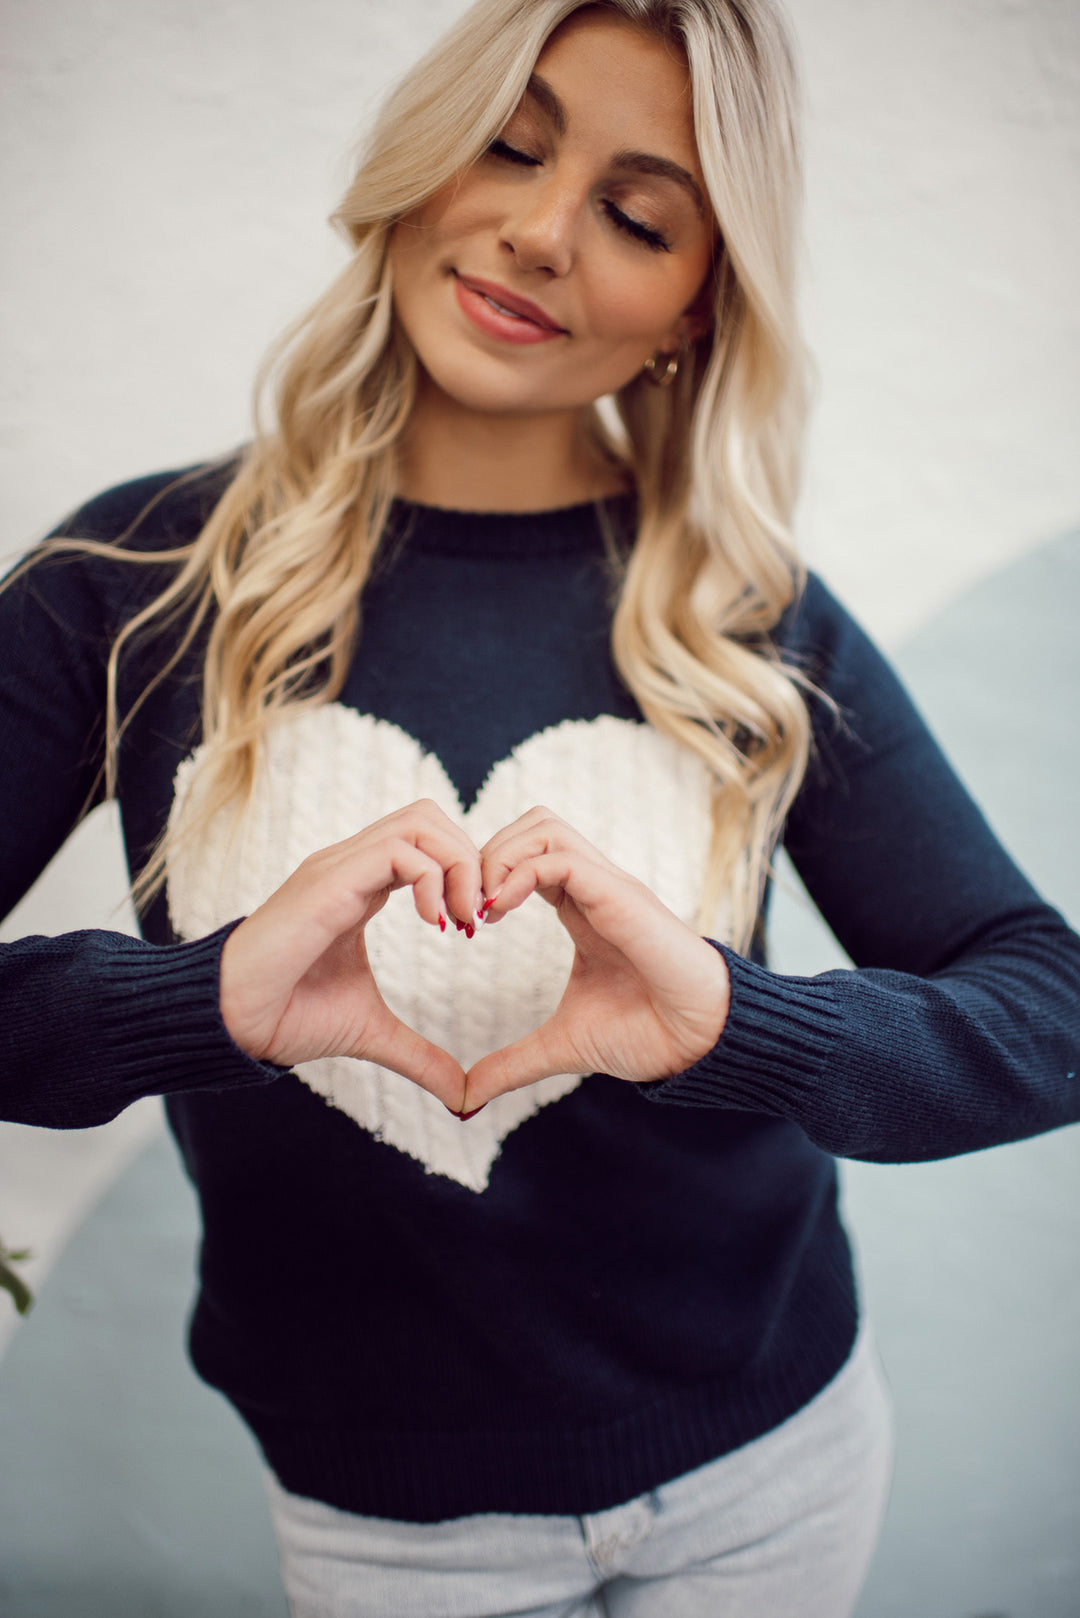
(295, 980)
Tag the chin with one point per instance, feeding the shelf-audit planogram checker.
(482, 390)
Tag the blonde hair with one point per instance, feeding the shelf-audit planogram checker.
(277, 573)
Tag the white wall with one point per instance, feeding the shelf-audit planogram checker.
(169, 165)
(167, 169)
(944, 172)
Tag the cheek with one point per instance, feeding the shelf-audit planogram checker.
(626, 331)
(641, 307)
(418, 251)
(633, 315)
(450, 215)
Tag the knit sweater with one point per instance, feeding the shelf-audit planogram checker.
(593, 1286)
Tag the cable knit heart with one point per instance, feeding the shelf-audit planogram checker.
(327, 772)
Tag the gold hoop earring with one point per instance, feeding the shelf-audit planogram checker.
(664, 378)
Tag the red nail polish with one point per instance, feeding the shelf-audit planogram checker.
(484, 908)
(460, 925)
(465, 1116)
(469, 929)
(442, 922)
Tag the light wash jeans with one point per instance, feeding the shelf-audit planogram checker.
(782, 1528)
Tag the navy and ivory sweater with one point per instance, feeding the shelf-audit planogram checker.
(578, 1294)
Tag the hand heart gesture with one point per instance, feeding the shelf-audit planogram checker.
(645, 998)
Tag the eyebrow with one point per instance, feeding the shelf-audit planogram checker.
(665, 169)
(547, 101)
(629, 162)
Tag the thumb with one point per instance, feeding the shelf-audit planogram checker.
(533, 1057)
(397, 1046)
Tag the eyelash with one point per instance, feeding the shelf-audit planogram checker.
(648, 237)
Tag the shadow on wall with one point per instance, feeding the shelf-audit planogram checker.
(129, 1489)
(971, 1267)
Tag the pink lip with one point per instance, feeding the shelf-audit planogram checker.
(525, 323)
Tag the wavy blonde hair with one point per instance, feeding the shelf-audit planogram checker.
(277, 573)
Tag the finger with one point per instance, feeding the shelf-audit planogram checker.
(428, 897)
(397, 852)
(533, 1057)
(429, 828)
(552, 874)
(609, 908)
(326, 899)
(520, 847)
(333, 891)
(436, 834)
(539, 812)
(535, 832)
(447, 888)
(461, 880)
(394, 1045)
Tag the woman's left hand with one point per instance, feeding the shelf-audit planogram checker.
(646, 997)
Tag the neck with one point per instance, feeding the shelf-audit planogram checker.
(474, 461)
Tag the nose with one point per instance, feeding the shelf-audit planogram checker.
(540, 231)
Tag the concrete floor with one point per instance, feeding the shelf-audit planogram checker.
(129, 1490)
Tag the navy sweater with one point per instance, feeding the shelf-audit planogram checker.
(639, 1287)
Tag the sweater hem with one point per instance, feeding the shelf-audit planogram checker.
(426, 1477)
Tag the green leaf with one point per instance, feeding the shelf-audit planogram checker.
(20, 1292)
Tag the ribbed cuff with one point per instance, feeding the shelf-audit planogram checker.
(772, 1051)
(189, 1045)
(95, 1020)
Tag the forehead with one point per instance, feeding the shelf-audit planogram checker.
(620, 82)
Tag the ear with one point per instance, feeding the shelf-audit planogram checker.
(696, 319)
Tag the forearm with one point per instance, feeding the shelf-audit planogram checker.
(959, 1027)
(94, 1020)
(889, 1067)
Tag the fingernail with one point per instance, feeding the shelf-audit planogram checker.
(460, 925)
(442, 922)
(485, 907)
(469, 929)
(465, 1116)
(478, 916)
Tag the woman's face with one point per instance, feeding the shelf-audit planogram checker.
(574, 248)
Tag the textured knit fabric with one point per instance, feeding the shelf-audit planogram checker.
(595, 1294)
(783, 1528)
(329, 771)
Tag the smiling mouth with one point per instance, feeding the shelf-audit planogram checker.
(524, 313)
(501, 307)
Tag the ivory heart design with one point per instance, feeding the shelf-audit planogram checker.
(327, 772)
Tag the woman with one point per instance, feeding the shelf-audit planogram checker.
(546, 1347)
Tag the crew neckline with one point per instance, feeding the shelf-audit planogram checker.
(553, 531)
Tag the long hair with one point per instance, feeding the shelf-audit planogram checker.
(276, 576)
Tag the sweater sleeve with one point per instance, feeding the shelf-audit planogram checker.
(959, 1026)
(94, 1020)
(89, 1021)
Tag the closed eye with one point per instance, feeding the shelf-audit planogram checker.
(633, 227)
(512, 154)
